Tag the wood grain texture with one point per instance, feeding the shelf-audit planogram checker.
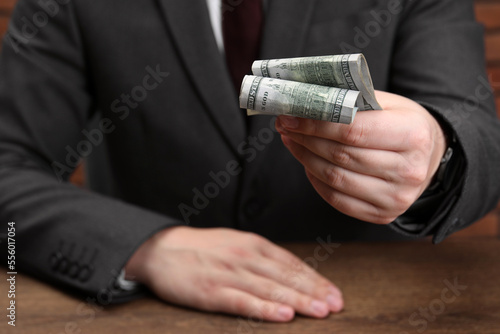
(487, 226)
(383, 285)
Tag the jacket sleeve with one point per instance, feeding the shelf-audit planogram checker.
(64, 235)
(439, 62)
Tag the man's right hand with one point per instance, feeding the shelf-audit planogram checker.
(223, 270)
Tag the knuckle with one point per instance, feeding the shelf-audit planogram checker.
(239, 305)
(238, 252)
(404, 170)
(267, 310)
(228, 264)
(295, 267)
(339, 154)
(270, 289)
(334, 177)
(293, 280)
(313, 127)
(403, 199)
(210, 302)
(413, 172)
(354, 134)
(383, 218)
(299, 301)
(192, 257)
(278, 295)
(420, 138)
(418, 176)
(316, 289)
(297, 271)
(334, 199)
(210, 285)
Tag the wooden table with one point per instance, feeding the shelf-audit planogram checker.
(384, 285)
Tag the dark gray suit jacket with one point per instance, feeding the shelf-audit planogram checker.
(178, 146)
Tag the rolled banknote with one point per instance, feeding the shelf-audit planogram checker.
(268, 96)
(349, 71)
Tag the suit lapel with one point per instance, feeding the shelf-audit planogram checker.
(285, 31)
(191, 29)
(286, 25)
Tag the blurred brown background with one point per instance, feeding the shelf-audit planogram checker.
(487, 12)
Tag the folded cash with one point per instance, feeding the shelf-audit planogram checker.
(342, 72)
(349, 71)
(268, 96)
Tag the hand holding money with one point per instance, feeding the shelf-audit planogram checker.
(374, 169)
(329, 88)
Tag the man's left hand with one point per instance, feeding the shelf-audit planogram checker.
(375, 168)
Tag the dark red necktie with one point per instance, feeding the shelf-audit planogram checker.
(242, 28)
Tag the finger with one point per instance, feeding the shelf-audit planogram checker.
(271, 290)
(363, 187)
(283, 263)
(350, 205)
(247, 305)
(383, 164)
(370, 130)
(300, 278)
(390, 101)
(284, 267)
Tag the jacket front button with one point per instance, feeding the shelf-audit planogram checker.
(85, 273)
(55, 260)
(74, 270)
(63, 266)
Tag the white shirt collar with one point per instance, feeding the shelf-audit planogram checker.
(214, 9)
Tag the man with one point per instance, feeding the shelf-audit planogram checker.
(183, 156)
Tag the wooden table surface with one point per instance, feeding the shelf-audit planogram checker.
(388, 287)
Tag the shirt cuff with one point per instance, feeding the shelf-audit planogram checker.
(125, 284)
(425, 215)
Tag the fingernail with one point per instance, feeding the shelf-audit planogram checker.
(334, 302)
(285, 313)
(319, 308)
(289, 122)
